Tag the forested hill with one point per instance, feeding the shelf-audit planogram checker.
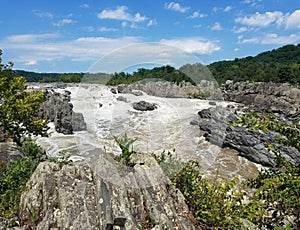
(49, 77)
(279, 65)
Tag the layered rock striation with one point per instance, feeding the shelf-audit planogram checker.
(100, 194)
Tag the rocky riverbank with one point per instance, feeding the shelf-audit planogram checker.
(281, 101)
(58, 109)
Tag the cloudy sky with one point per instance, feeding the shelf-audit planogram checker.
(71, 36)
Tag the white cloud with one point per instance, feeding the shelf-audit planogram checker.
(217, 26)
(41, 49)
(271, 39)
(176, 7)
(144, 53)
(196, 14)
(293, 20)
(193, 45)
(90, 28)
(63, 22)
(124, 24)
(120, 13)
(260, 20)
(236, 49)
(254, 40)
(46, 47)
(238, 30)
(43, 14)
(85, 6)
(216, 9)
(28, 38)
(280, 40)
(253, 3)
(227, 9)
(32, 62)
(152, 22)
(106, 29)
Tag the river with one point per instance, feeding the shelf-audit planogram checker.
(167, 128)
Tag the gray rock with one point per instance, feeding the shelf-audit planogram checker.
(137, 93)
(250, 144)
(282, 99)
(113, 90)
(121, 98)
(98, 194)
(144, 106)
(8, 151)
(78, 123)
(58, 109)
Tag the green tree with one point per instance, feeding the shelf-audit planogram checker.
(19, 106)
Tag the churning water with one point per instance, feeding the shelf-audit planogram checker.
(166, 128)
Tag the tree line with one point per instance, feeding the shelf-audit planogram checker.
(167, 73)
(279, 65)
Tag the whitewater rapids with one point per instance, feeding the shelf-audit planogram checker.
(167, 128)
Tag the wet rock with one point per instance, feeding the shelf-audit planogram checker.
(144, 106)
(78, 123)
(113, 90)
(212, 103)
(121, 98)
(58, 109)
(251, 144)
(96, 194)
(137, 93)
(205, 113)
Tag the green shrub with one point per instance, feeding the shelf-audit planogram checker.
(14, 175)
(125, 143)
(223, 204)
(279, 189)
(215, 204)
(62, 159)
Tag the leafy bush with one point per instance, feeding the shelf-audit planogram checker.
(62, 159)
(214, 204)
(15, 174)
(125, 143)
(225, 203)
(279, 189)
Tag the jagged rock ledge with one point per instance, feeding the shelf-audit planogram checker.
(98, 194)
(58, 109)
(282, 99)
(251, 144)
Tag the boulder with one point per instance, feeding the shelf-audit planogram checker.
(144, 106)
(121, 98)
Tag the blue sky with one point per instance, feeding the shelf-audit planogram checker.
(71, 36)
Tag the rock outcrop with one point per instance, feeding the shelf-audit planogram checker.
(162, 89)
(98, 194)
(282, 99)
(58, 109)
(144, 106)
(251, 144)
